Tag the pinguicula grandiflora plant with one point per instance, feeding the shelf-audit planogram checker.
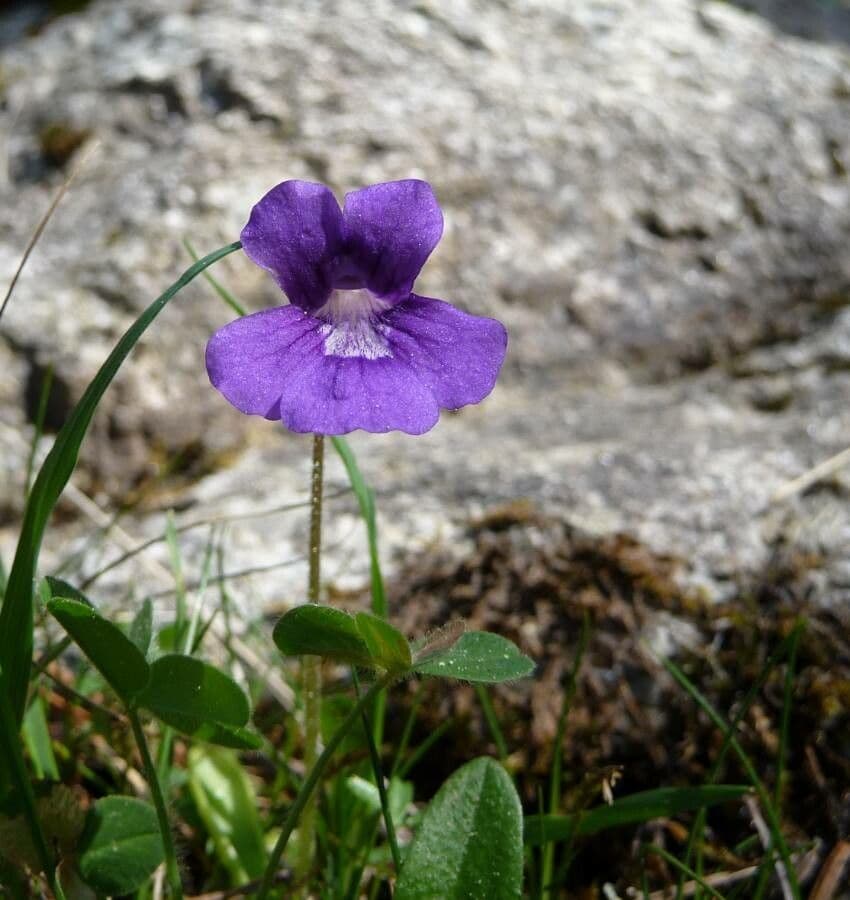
(353, 348)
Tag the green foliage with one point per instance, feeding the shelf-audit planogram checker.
(121, 845)
(366, 501)
(227, 804)
(469, 843)
(365, 640)
(37, 740)
(388, 647)
(16, 614)
(322, 631)
(641, 807)
(111, 652)
(198, 700)
(141, 628)
(477, 656)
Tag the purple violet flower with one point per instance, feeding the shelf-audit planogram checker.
(355, 348)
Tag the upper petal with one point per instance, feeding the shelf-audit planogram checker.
(456, 355)
(295, 232)
(390, 231)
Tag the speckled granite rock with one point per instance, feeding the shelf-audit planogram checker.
(652, 195)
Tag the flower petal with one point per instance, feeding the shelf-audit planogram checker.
(276, 364)
(249, 360)
(458, 356)
(390, 231)
(295, 232)
(336, 394)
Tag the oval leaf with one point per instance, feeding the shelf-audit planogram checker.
(631, 810)
(322, 631)
(121, 846)
(469, 845)
(111, 652)
(195, 698)
(477, 656)
(388, 646)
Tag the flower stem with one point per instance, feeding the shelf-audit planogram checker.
(313, 779)
(312, 665)
(171, 867)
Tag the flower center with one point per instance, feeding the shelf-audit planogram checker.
(352, 325)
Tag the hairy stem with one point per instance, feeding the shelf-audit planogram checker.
(312, 665)
(171, 867)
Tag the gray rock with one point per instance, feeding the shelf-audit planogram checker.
(652, 195)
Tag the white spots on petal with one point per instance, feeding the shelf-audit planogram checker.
(352, 327)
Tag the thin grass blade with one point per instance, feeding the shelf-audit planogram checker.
(16, 615)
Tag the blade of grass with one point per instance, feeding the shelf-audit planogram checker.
(39, 229)
(312, 780)
(177, 571)
(43, 397)
(171, 866)
(492, 721)
(366, 501)
(216, 285)
(681, 867)
(697, 829)
(785, 722)
(424, 747)
(556, 775)
(375, 759)
(401, 747)
(16, 615)
(763, 796)
(37, 740)
(19, 778)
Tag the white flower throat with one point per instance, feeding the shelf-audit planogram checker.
(352, 325)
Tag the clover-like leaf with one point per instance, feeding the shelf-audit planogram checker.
(198, 700)
(322, 631)
(121, 846)
(477, 656)
(388, 646)
(111, 652)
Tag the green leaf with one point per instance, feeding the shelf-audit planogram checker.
(469, 844)
(141, 628)
(477, 656)
(51, 587)
(399, 794)
(37, 739)
(366, 501)
(387, 645)
(16, 614)
(631, 810)
(227, 804)
(121, 846)
(196, 699)
(111, 652)
(321, 631)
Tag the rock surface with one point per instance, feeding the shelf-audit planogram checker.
(652, 195)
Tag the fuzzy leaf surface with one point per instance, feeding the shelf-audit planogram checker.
(469, 843)
(477, 656)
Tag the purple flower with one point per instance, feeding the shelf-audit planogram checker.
(355, 348)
